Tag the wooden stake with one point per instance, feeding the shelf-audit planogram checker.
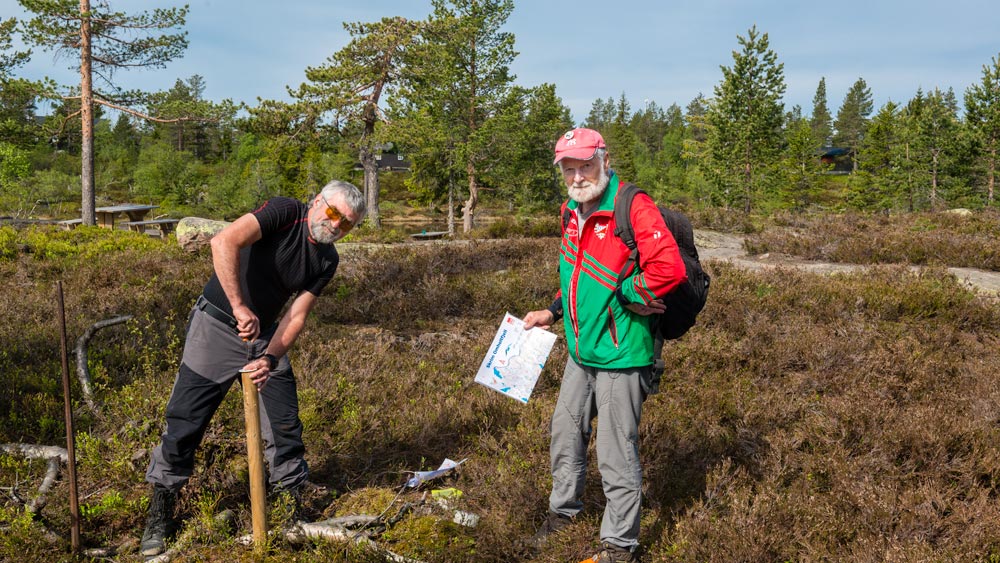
(74, 507)
(255, 453)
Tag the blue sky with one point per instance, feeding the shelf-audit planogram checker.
(665, 51)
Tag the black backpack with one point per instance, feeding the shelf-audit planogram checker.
(686, 300)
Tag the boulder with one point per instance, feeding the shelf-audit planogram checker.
(194, 232)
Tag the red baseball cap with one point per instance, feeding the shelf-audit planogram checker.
(580, 143)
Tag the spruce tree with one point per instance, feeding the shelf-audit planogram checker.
(820, 122)
(621, 141)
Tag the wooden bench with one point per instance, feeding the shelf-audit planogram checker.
(429, 235)
(164, 226)
(70, 224)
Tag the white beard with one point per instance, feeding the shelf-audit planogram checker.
(584, 192)
(323, 235)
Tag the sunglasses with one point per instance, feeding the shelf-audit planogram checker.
(334, 215)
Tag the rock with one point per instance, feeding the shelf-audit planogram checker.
(960, 211)
(467, 519)
(194, 232)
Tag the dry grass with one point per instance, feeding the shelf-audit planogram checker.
(805, 418)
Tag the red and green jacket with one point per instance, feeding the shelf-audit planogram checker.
(600, 331)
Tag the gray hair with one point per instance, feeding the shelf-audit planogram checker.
(352, 196)
(598, 155)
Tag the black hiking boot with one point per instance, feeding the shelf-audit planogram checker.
(553, 523)
(611, 553)
(160, 522)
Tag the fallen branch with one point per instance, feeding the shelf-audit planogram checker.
(51, 475)
(334, 529)
(34, 451)
(82, 371)
(54, 455)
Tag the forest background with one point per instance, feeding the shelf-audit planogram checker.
(440, 93)
(851, 417)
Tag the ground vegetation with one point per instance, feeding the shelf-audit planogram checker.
(847, 417)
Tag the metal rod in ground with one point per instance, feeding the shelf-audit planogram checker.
(258, 502)
(74, 507)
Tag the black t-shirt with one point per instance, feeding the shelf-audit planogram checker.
(283, 262)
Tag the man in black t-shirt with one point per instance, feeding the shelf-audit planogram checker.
(283, 250)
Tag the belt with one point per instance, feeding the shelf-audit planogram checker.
(215, 312)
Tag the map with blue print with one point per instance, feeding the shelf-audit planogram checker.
(515, 358)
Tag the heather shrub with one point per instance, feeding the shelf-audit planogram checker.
(850, 417)
(946, 239)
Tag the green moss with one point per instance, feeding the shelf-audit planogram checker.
(430, 536)
(370, 500)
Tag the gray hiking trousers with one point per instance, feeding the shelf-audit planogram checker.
(213, 356)
(615, 397)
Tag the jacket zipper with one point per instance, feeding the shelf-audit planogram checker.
(573, 283)
(612, 327)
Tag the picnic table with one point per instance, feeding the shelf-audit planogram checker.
(134, 212)
(165, 226)
(106, 215)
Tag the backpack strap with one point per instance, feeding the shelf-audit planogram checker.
(623, 213)
(623, 226)
(625, 232)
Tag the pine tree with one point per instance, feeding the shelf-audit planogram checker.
(461, 79)
(937, 125)
(351, 84)
(529, 122)
(106, 41)
(852, 119)
(745, 120)
(880, 186)
(17, 96)
(694, 116)
(649, 125)
(982, 117)
(800, 164)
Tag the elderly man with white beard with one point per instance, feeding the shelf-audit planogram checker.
(609, 340)
(281, 251)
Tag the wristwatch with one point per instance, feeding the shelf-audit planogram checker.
(272, 361)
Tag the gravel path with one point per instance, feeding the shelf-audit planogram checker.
(714, 245)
